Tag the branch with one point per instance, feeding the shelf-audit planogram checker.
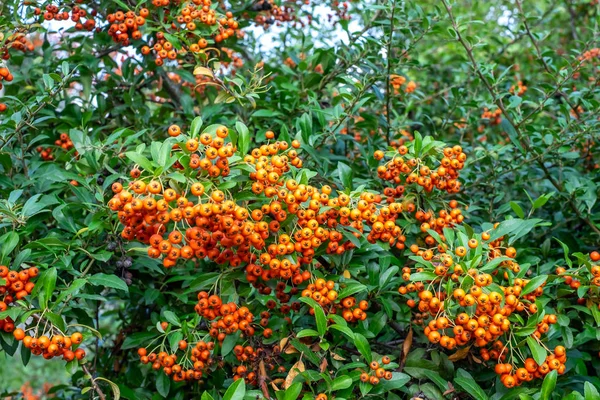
(524, 142)
(388, 97)
(544, 63)
(94, 384)
(572, 19)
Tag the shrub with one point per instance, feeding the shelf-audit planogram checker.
(299, 200)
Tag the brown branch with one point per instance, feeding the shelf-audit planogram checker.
(95, 386)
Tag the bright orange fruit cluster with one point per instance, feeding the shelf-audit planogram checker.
(17, 286)
(50, 347)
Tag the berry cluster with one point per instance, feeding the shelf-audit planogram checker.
(190, 368)
(55, 346)
(226, 318)
(14, 285)
(519, 89)
(6, 76)
(510, 377)
(77, 15)
(63, 142)
(253, 359)
(377, 372)
(413, 170)
(476, 313)
(125, 25)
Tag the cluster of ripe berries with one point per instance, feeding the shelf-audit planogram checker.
(16, 286)
(377, 372)
(63, 142)
(492, 118)
(215, 151)
(223, 231)
(6, 76)
(488, 322)
(125, 25)
(77, 14)
(519, 89)
(253, 358)
(199, 360)
(226, 318)
(200, 12)
(511, 377)
(55, 346)
(428, 220)
(324, 293)
(409, 171)
(397, 81)
(588, 277)
(590, 54)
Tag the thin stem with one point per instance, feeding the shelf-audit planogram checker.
(95, 386)
(389, 68)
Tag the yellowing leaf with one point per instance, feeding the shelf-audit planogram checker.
(203, 71)
(460, 354)
(294, 371)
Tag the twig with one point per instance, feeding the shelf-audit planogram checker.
(544, 63)
(523, 140)
(572, 19)
(389, 67)
(95, 386)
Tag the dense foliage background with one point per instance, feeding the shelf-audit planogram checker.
(432, 121)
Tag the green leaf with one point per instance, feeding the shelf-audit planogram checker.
(141, 160)
(517, 209)
(56, 320)
(319, 314)
(540, 201)
(423, 276)
(418, 142)
(206, 396)
(114, 387)
(362, 345)
(344, 329)
(171, 318)
(345, 174)
(110, 281)
(471, 387)
(8, 242)
(534, 284)
(243, 137)
(341, 382)
(537, 351)
(307, 333)
(351, 288)
(163, 384)
(433, 376)
(398, 380)
(548, 385)
(195, 126)
(590, 392)
(229, 343)
(512, 134)
(236, 391)
(72, 289)
(293, 391)
(47, 283)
